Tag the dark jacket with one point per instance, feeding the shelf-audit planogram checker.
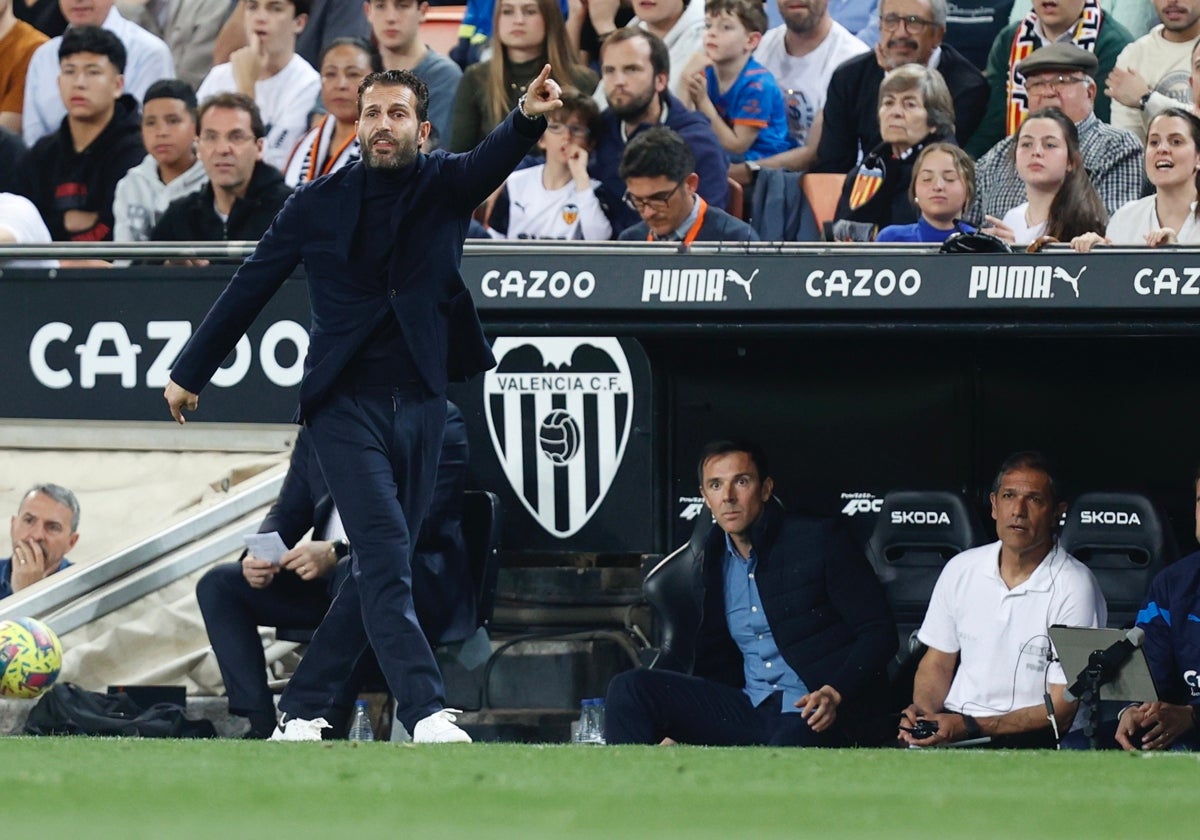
(12, 162)
(711, 162)
(422, 288)
(59, 179)
(890, 205)
(193, 217)
(718, 226)
(825, 606)
(851, 123)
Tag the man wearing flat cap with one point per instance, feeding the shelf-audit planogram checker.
(1080, 23)
(1062, 76)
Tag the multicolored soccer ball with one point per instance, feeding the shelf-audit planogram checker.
(30, 657)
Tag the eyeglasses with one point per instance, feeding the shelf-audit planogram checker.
(658, 201)
(576, 131)
(912, 23)
(237, 138)
(1044, 83)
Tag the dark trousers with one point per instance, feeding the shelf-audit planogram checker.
(378, 450)
(645, 706)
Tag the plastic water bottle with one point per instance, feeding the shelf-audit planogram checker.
(360, 727)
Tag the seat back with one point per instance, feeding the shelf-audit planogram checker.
(482, 523)
(916, 533)
(670, 589)
(1125, 540)
(822, 191)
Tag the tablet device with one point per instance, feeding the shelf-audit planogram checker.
(1075, 644)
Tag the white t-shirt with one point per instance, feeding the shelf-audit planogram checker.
(20, 218)
(1022, 233)
(804, 79)
(1130, 224)
(1001, 634)
(535, 212)
(284, 100)
(1166, 67)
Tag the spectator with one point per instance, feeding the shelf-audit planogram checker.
(1078, 22)
(170, 169)
(147, 60)
(636, 65)
(679, 23)
(1062, 203)
(660, 180)
(1155, 66)
(327, 21)
(43, 15)
(989, 661)
(235, 598)
(794, 633)
(1169, 215)
(529, 34)
(912, 34)
(188, 27)
(976, 25)
(1137, 16)
(801, 54)
(45, 528)
(243, 192)
(73, 173)
(915, 110)
(21, 224)
(18, 42)
(333, 143)
(267, 69)
(942, 184)
(739, 96)
(397, 28)
(1059, 77)
(13, 155)
(557, 199)
(581, 25)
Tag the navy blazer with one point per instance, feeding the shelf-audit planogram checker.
(423, 289)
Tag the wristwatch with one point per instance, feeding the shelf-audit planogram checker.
(1145, 100)
(341, 549)
(973, 730)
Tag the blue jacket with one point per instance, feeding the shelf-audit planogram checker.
(423, 286)
(711, 162)
(718, 226)
(6, 574)
(1171, 619)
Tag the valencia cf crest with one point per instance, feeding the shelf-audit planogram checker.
(570, 213)
(559, 411)
(866, 184)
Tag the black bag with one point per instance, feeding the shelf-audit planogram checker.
(974, 243)
(69, 710)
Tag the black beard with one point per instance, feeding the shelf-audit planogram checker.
(403, 155)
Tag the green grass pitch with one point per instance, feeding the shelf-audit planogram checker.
(130, 788)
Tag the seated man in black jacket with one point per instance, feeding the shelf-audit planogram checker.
(794, 636)
(235, 598)
(243, 193)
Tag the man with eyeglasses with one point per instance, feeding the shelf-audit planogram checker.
(912, 33)
(1079, 23)
(1061, 76)
(243, 194)
(657, 168)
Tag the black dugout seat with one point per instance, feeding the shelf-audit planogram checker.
(1124, 538)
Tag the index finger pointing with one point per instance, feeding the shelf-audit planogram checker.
(542, 77)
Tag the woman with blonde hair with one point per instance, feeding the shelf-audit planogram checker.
(942, 188)
(526, 35)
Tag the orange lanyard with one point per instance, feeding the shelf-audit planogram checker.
(694, 230)
(315, 150)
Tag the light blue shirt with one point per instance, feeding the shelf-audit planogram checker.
(855, 15)
(148, 60)
(765, 670)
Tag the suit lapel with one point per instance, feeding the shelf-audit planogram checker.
(348, 203)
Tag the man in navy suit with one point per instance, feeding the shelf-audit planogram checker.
(236, 598)
(392, 323)
(794, 632)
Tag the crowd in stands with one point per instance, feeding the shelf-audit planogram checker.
(1052, 104)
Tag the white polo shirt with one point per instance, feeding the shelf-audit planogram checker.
(1001, 634)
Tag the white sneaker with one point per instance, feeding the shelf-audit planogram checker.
(439, 728)
(298, 729)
